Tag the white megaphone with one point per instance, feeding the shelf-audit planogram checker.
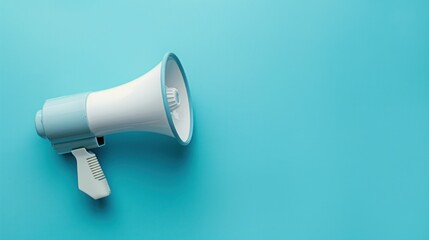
(158, 101)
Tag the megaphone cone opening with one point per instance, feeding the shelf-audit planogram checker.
(173, 76)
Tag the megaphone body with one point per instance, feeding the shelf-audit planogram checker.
(158, 102)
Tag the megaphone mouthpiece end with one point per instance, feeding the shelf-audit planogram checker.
(39, 124)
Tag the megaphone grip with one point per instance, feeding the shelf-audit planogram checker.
(91, 179)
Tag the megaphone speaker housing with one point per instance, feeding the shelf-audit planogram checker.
(143, 104)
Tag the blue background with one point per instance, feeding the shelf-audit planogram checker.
(311, 120)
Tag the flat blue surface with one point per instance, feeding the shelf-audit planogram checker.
(311, 120)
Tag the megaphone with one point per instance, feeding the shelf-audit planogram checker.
(159, 102)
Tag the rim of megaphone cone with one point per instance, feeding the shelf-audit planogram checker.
(166, 57)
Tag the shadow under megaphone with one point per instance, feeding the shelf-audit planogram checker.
(141, 147)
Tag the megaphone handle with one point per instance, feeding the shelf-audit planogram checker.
(91, 179)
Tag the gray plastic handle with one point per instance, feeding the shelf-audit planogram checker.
(91, 179)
